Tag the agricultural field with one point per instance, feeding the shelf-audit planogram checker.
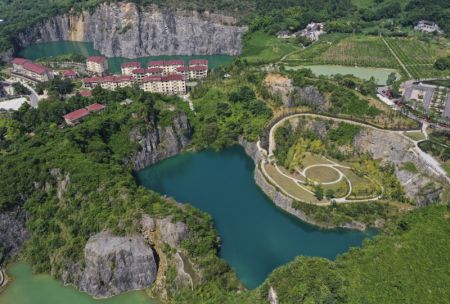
(260, 47)
(419, 56)
(347, 50)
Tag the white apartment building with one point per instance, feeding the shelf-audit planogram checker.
(173, 84)
(129, 67)
(33, 71)
(97, 65)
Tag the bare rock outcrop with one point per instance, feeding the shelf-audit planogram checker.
(117, 264)
(423, 186)
(160, 143)
(127, 30)
(12, 232)
(170, 233)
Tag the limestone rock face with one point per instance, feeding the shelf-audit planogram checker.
(117, 264)
(126, 30)
(160, 143)
(12, 232)
(172, 233)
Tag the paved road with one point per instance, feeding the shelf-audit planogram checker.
(429, 160)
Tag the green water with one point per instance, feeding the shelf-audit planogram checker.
(51, 49)
(380, 75)
(27, 288)
(256, 236)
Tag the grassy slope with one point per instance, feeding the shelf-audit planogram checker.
(260, 47)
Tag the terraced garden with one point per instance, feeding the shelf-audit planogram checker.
(418, 56)
(367, 51)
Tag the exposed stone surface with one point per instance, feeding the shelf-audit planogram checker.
(62, 181)
(6, 56)
(272, 296)
(170, 233)
(160, 143)
(12, 232)
(117, 264)
(421, 187)
(126, 30)
(291, 95)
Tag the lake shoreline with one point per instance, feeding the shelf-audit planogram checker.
(284, 202)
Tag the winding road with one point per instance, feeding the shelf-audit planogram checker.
(434, 165)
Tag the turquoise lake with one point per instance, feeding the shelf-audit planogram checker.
(52, 49)
(256, 236)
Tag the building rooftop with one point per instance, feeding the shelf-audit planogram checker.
(155, 63)
(86, 93)
(131, 64)
(96, 59)
(152, 78)
(198, 62)
(95, 107)
(172, 77)
(155, 70)
(35, 68)
(173, 62)
(69, 73)
(138, 71)
(77, 114)
(198, 68)
(19, 61)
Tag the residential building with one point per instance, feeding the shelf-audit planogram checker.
(419, 92)
(109, 82)
(85, 93)
(97, 65)
(447, 106)
(173, 84)
(138, 74)
(198, 62)
(312, 31)
(70, 74)
(129, 67)
(33, 71)
(75, 117)
(168, 67)
(427, 27)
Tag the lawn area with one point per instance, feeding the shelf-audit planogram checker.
(261, 47)
(415, 135)
(340, 189)
(313, 159)
(348, 50)
(288, 185)
(361, 187)
(446, 167)
(322, 174)
(419, 56)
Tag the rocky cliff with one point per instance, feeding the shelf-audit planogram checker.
(12, 232)
(160, 142)
(117, 264)
(424, 186)
(127, 30)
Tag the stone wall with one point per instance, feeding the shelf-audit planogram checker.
(127, 30)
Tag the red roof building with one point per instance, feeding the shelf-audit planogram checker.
(155, 63)
(19, 61)
(138, 71)
(198, 62)
(76, 116)
(96, 59)
(86, 93)
(173, 62)
(95, 107)
(35, 68)
(172, 77)
(152, 78)
(155, 70)
(70, 74)
(198, 68)
(131, 64)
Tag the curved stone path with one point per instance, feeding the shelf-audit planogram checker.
(268, 155)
